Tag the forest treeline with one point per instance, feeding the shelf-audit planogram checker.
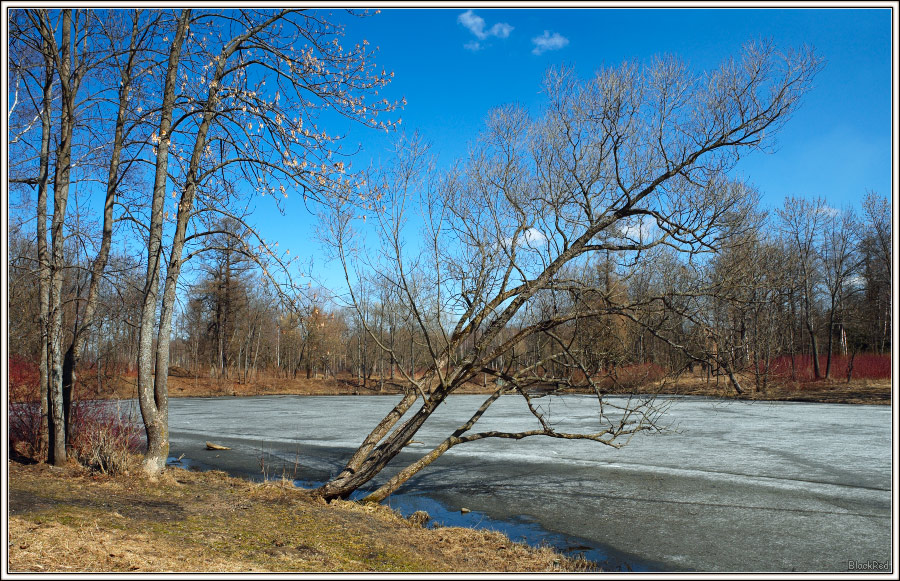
(809, 278)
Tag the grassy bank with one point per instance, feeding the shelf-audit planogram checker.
(67, 520)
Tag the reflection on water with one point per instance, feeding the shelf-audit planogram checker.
(520, 529)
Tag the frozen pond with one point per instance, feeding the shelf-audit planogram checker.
(732, 486)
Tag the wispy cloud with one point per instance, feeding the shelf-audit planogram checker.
(638, 229)
(477, 27)
(530, 238)
(828, 211)
(548, 41)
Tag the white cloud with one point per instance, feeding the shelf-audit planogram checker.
(534, 236)
(474, 46)
(501, 30)
(548, 41)
(639, 229)
(530, 238)
(828, 211)
(476, 26)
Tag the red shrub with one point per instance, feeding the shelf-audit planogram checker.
(103, 433)
(865, 366)
(868, 366)
(24, 411)
(23, 378)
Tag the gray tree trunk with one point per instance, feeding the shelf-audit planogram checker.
(151, 397)
(73, 355)
(43, 255)
(68, 89)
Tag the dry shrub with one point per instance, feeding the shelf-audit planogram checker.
(629, 378)
(104, 438)
(101, 436)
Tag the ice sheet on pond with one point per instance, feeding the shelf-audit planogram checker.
(731, 486)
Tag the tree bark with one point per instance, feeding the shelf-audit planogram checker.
(73, 354)
(814, 343)
(153, 402)
(42, 251)
(69, 81)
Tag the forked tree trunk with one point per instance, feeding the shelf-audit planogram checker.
(68, 91)
(153, 402)
(158, 406)
(73, 354)
(364, 465)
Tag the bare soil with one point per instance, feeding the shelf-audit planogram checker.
(67, 520)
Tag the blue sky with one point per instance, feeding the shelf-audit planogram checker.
(453, 65)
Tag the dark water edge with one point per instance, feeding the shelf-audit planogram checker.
(520, 529)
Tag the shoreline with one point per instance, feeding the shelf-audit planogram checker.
(517, 529)
(857, 392)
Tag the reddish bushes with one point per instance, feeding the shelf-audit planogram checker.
(102, 433)
(24, 411)
(864, 366)
(23, 378)
(631, 377)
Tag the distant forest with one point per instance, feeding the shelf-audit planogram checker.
(810, 279)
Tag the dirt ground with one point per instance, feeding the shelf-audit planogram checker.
(66, 520)
(182, 384)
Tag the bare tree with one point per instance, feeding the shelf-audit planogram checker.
(127, 42)
(628, 162)
(877, 266)
(42, 104)
(58, 39)
(840, 265)
(802, 223)
(241, 97)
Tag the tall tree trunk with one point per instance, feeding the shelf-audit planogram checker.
(817, 370)
(68, 92)
(42, 251)
(158, 449)
(812, 333)
(830, 346)
(153, 402)
(73, 354)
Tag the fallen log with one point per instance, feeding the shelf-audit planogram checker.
(211, 446)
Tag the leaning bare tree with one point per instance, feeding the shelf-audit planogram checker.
(631, 165)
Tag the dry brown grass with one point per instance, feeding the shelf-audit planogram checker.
(858, 391)
(865, 391)
(65, 520)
